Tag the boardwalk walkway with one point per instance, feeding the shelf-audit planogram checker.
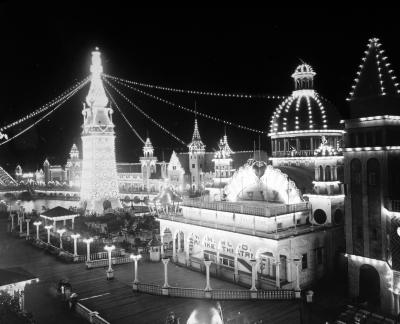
(115, 300)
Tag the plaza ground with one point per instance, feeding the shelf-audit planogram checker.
(115, 300)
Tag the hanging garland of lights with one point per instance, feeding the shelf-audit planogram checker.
(46, 115)
(123, 115)
(47, 106)
(197, 113)
(144, 114)
(196, 92)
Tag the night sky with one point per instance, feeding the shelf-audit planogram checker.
(45, 50)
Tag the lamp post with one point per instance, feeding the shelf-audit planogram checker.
(135, 259)
(75, 237)
(48, 228)
(110, 271)
(27, 226)
(88, 241)
(207, 264)
(37, 224)
(61, 232)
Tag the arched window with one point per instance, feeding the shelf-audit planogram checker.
(321, 173)
(328, 173)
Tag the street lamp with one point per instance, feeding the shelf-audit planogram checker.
(37, 224)
(135, 259)
(110, 271)
(48, 228)
(61, 232)
(88, 241)
(75, 237)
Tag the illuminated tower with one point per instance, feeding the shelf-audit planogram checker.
(196, 159)
(99, 172)
(223, 161)
(372, 175)
(148, 162)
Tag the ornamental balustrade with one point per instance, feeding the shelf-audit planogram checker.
(218, 294)
(270, 211)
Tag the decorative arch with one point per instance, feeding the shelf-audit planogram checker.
(369, 285)
(328, 173)
(258, 181)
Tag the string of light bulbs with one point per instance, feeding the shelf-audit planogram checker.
(145, 114)
(374, 44)
(46, 115)
(196, 113)
(196, 92)
(46, 106)
(123, 116)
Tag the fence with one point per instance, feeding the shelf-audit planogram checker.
(219, 294)
(90, 316)
(104, 262)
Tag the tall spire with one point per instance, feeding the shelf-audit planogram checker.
(196, 144)
(375, 77)
(97, 95)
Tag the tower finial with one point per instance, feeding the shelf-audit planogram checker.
(97, 95)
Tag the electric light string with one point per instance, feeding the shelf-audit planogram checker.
(145, 114)
(196, 92)
(46, 106)
(381, 64)
(197, 113)
(123, 116)
(46, 115)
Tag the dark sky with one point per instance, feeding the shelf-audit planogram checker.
(45, 50)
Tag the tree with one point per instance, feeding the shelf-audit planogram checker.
(10, 310)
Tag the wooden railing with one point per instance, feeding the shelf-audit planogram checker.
(269, 211)
(218, 294)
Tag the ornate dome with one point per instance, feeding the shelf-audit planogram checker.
(304, 110)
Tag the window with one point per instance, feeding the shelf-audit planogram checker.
(174, 167)
(279, 225)
(201, 165)
(227, 262)
(304, 262)
(193, 166)
(194, 179)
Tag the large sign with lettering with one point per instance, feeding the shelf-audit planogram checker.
(226, 247)
(209, 243)
(245, 252)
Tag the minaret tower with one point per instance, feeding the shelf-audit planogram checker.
(196, 159)
(99, 171)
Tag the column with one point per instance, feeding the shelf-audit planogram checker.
(48, 228)
(65, 222)
(73, 223)
(179, 242)
(208, 287)
(162, 245)
(186, 247)
(253, 274)
(165, 261)
(54, 225)
(22, 300)
(136, 280)
(12, 222)
(316, 173)
(278, 274)
(20, 225)
(312, 145)
(236, 270)
(174, 249)
(297, 283)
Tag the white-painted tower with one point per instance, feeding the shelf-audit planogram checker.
(99, 172)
